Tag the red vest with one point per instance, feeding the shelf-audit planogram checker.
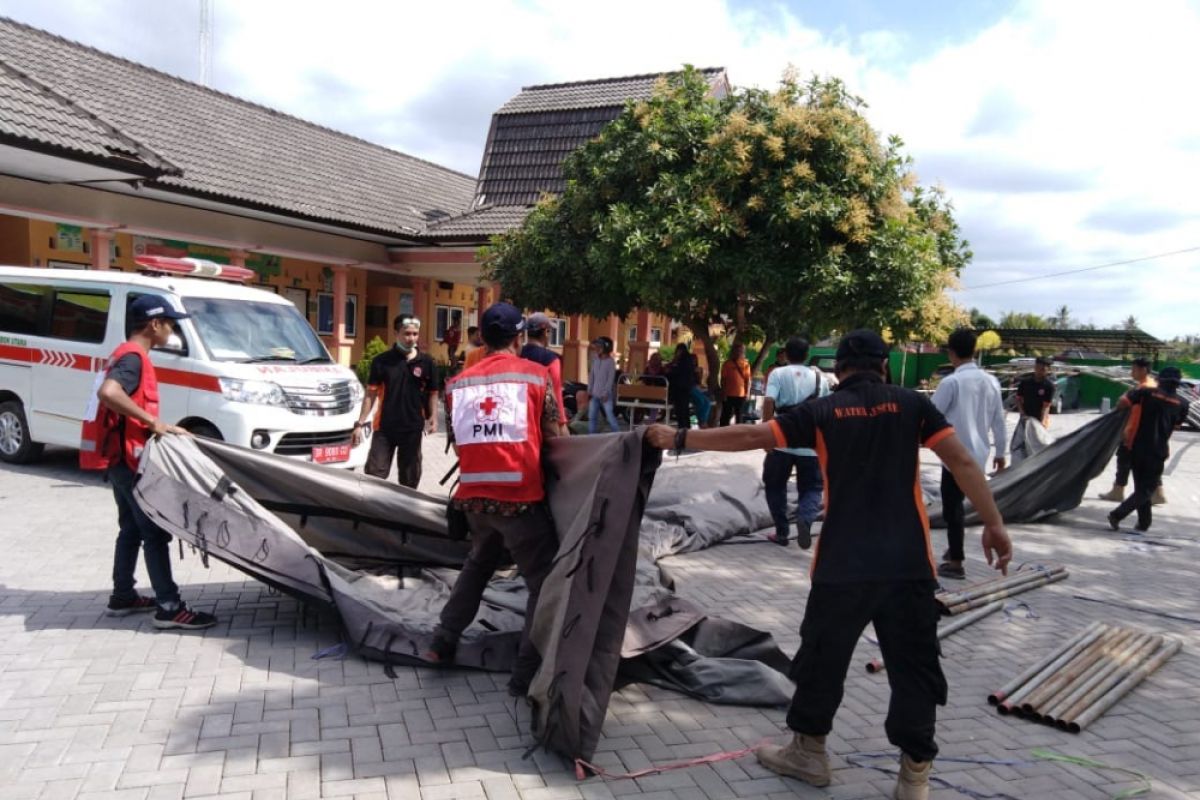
(495, 411)
(100, 442)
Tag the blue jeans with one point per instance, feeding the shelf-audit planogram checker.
(594, 406)
(138, 531)
(777, 469)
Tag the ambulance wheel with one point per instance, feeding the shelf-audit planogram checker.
(15, 445)
(206, 430)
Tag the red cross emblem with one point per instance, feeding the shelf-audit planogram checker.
(489, 409)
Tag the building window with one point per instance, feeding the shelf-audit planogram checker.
(325, 314)
(633, 333)
(558, 332)
(446, 316)
(656, 337)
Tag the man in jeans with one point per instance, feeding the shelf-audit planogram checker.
(114, 437)
(602, 385)
(971, 401)
(789, 386)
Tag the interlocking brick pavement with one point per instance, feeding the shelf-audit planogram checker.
(96, 707)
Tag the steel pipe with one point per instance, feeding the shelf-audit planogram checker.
(1005, 592)
(1132, 678)
(1029, 684)
(876, 665)
(1001, 694)
(1106, 685)
(986, 587)
(1135, 650)
(1071, 670)
(1112, 647)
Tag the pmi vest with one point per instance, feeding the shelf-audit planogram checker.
(100, 441)
(496, 413)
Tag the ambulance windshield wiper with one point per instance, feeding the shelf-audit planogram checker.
(259, 359)
(315, 359)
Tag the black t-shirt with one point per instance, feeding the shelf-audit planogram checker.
(1034, 395)
(405, 385)
(1153, 418)
(127, 372)
(538, 354)
(867, 435)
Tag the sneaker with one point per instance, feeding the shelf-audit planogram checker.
(782, 541)
(913, 781)
(803, 534)
(1158, 498)
(441, 651)
(953, 571)
(1116, 494)
(123, 608)
(804, 757)
(183, 618)
(1114, 521)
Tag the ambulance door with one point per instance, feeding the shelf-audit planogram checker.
(73, 348)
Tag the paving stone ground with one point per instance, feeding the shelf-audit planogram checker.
(93, 707)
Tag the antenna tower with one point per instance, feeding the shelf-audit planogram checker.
(205, 45)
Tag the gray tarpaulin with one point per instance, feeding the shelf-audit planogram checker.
(378, 554)
(1054, 479)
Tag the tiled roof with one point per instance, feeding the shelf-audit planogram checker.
(479, 224)
(31, 113)
(602, 93)
(533, 132)
(236, 151)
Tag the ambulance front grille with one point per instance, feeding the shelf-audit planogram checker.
(323, 400)
(301, 444)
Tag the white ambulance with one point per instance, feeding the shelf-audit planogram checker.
(246, 368)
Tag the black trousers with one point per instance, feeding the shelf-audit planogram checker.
(953, 513)
(1147, 475)
(681, 408)
(905, 617)
(407, 449)
(532, 541)
(1124, 462)
(731, 410)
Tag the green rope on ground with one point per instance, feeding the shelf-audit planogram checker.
(1049, 755)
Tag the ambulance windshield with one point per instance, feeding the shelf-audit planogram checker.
(252, 332)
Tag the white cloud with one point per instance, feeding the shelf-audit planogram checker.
(1064, 132)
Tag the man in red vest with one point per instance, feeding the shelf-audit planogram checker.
(498, 414)
(113, 439)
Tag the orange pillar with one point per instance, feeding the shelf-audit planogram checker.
(639, 350)
(101, 249)
(341, 345)
(575, 351)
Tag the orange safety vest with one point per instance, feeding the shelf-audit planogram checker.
(100, 441)
(495, 411)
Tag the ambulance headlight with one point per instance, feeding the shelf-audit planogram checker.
(258, 392)
(356, 392)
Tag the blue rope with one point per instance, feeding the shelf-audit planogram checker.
(337, 651)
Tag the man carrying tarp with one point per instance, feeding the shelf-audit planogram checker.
(1140, 372)
(874, 562)
(117, 425)
(498, 415)
(1034, 396)
(1154, 414)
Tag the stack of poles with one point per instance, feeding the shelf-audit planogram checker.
(876, 665)
(1073, 686)
(981, 594)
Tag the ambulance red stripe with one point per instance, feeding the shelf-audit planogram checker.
(60, 358)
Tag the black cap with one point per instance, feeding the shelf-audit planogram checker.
(1045, 362)
(1170, 374)
(504, 319)
(862, 342)
(1142, 361)
(152, 306)
(537, 322)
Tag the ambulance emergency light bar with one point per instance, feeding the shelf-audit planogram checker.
(194, 268)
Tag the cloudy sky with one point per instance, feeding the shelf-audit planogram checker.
(1067, 133)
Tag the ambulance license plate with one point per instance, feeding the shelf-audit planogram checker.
(331, 453)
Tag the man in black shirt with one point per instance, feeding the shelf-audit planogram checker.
(874, 562)
(1034, 396)
(537, 350)
(1154, 414)
(402, 391)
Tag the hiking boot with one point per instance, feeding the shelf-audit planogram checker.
(1158, 498)
(441, 651)
(1114, 521)
(183, 618)
(803, 534)
(775, 538)
(951, 570)
(123, 608)
(1116, 494)
(913, 781)
(804, 757)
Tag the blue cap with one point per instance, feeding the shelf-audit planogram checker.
(504, 319)
(152, 306)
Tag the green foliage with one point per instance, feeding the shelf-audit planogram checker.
(363, 367)
(1022, 319)
(779, 208)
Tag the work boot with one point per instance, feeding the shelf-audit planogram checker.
(804, 757)
(1115, 494)
(803, 534)
(913, 781)
(1158, 498)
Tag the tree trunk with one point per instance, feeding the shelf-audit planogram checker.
(700, 331)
